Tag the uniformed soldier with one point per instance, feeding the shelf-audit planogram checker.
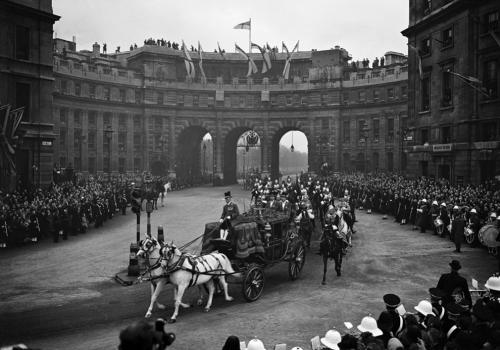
(230, 212)
(437, 296)
(392, 302)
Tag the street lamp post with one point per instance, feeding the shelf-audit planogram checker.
(108, 132)
(204, 160)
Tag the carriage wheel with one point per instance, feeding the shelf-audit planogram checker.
(297, 262)
(253, 282)
(470, 238)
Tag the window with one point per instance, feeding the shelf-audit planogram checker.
(390, 93)
(106, 120)
(345, 98)
(376, 130)
(376, 94)
(122, 121)
(137, 142)
(361, 131)
(122, 142)
(91, 140)
(92, 91)
(346, 131)
(78, 89)
(424, 136)
(404, 91)
(77, 138)
(424, 168)
(491, 22)
(446, 86)
(137, 122)
(62, 138)
(446, 134)
(196, 100)
(390, 130)
(137, 164)
(77, 117)
(390, 161)
(488, 131)
(375, 161)
(105, 93)
(23, 99)
(425, 94)
(64, 86)
(447, 37)
(425, 47)
(158, 123)
(490, 78)
(122, 95)
(159, 98)
(138, 96)
(22, 43)
(362, 96)
(92, 119)
(63, 116)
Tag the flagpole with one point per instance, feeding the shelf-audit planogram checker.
(250, 37)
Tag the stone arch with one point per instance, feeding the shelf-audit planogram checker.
(187, 165)
(275, 149)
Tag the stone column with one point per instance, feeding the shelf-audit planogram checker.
(85, 143)
(129, 169)
(100, 143)
(266, 148)
(171, 150)
(218, 141)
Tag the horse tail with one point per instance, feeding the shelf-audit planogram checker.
(228, 268)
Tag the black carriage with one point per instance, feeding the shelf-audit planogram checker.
(258, 239)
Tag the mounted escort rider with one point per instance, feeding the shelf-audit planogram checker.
(230, 212)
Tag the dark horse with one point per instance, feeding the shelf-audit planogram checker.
(332, 246)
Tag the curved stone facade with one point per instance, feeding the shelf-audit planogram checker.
(127, 111)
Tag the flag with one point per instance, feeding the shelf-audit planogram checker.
(289, 56)
(202, 72)
(4, 117)
(16, 116)
(495, 37)
(244, 25)
(266, 64)
(284, 48)
(420, 69)
(220, 51)
(188, 61)
(252, 68)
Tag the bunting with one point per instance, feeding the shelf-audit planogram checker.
(188, 62)
(220, 51)
(266, 64)
(202, 72)
(252, 68)
(10, 120)
(244, 25)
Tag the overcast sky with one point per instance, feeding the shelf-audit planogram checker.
(365, 28)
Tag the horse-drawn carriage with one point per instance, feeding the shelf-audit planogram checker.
(259, 239)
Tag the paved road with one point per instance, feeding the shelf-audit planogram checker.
(53, 295)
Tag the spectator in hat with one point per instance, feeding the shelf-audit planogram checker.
(232, 343)
(455, 286)
(255, 344)
(392, 301)
(384, 323)
(458, 230)
(349, 342)
(230, 212)
(482, 319)
(138, 336)
(331, 340)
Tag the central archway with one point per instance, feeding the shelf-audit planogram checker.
(289, 152)
(237, 151)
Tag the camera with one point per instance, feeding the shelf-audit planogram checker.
(164, 338)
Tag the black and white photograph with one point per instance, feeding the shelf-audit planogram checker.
(250, 175)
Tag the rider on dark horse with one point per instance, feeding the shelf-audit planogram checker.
(331, 246)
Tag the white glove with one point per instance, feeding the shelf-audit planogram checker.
(221, 221)
(228, 217)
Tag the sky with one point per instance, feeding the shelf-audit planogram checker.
(365, 28)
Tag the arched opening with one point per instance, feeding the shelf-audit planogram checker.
(290, 154)
(188, 165)
(207, 158)
(242, 155)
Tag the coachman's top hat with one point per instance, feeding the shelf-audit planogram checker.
(455, 265)
(436, 293)
(392, 300)
(227, 194)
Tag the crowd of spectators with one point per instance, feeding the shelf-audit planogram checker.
(161, 42)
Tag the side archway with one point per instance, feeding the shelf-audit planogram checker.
(231, 145)
(188, 165)
(275, 150)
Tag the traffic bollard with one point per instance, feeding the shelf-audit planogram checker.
(133, 263)
(161, 236)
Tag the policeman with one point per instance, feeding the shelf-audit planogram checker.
(230, 212)
(437, 296)
(392, 302)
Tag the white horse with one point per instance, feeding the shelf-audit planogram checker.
(186, 270)
(151, 249)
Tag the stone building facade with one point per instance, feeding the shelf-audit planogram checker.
(136, 110)
(454, 105)
(26, 80)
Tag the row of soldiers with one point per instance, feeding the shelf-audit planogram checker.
(59, 211)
